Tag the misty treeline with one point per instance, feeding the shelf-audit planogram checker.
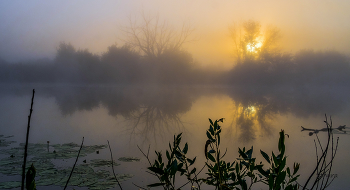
(305, 67)
(123, 65)
(153, 54)
(119, 64)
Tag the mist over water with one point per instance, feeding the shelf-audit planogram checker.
(161, 108)
(130, 115)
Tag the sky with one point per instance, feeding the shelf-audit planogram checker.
(34, 29)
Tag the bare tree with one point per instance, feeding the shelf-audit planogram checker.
(152, 37)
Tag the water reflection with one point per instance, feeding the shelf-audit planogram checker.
(154, 110)
(256, 106)
(149, 111)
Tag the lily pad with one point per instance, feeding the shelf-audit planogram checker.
(10, 184)
(101, 163)
(129, 159)
(93, 174)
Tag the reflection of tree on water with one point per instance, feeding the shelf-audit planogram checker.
(147, 111)
(249, 119)
(152, 121)
(159, 113)
(150, 111)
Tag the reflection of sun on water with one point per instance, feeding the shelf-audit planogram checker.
(246, 122)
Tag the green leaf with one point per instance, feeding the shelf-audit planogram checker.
(267, 158)
(282, 165)
(168, 155)
(178, 137)
(30, 178)
(280, 178)
(271, 182)
(242, 182)
(209, 136)
(185, 149)
(215, 125)
(242, 153)
(160, 160)
(281, 146)
(263, 172)
(211, 157)
(194, 159)
(249, 153)
(211, 130)
(32, 186)
(193, 171)
(237, 168)
(211, 122)
(173, 168)
(212, 151)
(178, 155)
(179, 167)
(275, 159)
(296, 168)
(233, 176)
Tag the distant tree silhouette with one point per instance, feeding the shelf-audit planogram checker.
(173, 66)
(89, 67)
(121, 64)
(153, 37)
(65, 54)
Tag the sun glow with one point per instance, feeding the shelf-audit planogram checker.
(253, 48)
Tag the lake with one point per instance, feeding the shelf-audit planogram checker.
(131, 116)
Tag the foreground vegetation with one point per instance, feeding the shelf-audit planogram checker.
(241, 173)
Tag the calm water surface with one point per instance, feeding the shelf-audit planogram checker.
(128, 116)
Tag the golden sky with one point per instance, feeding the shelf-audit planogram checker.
(33, 29)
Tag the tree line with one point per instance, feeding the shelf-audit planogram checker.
(152, 54)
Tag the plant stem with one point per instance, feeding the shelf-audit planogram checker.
(110, 150)
(76, 160)
(26, 145)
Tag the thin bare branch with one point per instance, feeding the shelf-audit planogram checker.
(76, 160)
(110, 150)
(27, 138)
(152, 37)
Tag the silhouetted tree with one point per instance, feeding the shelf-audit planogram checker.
(89, 67)
(173, 66)
(153, 37)
(122, 64)
(65, 54)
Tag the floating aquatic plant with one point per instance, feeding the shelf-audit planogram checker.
(94, 174)
(129, 159)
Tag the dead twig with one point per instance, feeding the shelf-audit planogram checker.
(26, 145)
(76, 160)
(110, 150)
(322, 171)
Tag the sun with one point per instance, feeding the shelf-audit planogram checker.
(253, 48)
(251, 109)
